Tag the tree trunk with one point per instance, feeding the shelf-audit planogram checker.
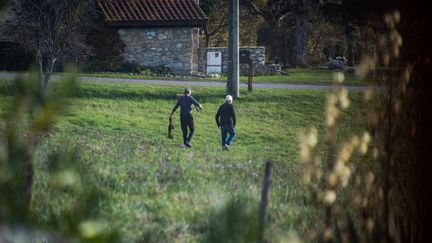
(207, 36)
(301, 40)
(48, 70)
(39, 61)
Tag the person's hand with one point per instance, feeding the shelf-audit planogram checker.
(201, 108)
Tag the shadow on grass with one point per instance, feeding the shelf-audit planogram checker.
(202, 94)
(146, 94)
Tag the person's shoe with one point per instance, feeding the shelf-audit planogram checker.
(188, 144)
(225, 147)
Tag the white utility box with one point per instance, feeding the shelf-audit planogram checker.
(214, 62)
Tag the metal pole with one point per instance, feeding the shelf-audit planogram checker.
(233, 49)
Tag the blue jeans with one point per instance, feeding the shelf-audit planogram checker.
(227, 129)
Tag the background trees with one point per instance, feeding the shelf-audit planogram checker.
(294, 14)
(51, 30)
(296, 33)
(216, 31)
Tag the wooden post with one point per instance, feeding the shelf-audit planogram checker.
(250, 75)
(264, 201)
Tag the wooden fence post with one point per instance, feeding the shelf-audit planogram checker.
(250, 75)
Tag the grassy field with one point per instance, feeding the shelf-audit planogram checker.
(295, 76)
(158, 192)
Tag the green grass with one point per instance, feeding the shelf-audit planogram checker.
(295, 76)
(162, 193)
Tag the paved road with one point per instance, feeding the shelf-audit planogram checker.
(203, 83)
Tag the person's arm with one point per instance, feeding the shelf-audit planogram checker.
(217, 117)
(234, 116)
(195, 103)
(175, 107)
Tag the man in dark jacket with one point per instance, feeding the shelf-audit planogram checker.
(226, 120)
(186, 119)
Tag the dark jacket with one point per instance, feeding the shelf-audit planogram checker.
(226, 116)
(185, 103)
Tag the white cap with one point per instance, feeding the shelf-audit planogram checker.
(229, 98)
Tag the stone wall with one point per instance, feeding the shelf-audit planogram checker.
(257, 55)
(176, 48)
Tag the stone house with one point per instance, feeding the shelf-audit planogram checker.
(157, 32)
(166, 33)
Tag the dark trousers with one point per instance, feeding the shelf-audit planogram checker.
(186, 120)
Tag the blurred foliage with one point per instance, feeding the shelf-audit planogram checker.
(28, 121)
(367, 187)
(236, 221)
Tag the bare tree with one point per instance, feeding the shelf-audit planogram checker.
(51, 29)
(217, 20)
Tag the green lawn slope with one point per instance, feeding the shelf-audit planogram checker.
(159, 192)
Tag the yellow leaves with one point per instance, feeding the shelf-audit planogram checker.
(332, 180)
(66, 178)
(91, 229)
(338, 98)
(364, 144)
(331, 110)
(370, 179)
(368, 94)
(367, 64)
(306, 179)
(407, 74)
(396, 16)
(340, 175)
(339, 77)
(347, 149)
(329, 197)
(307, 140)
(375, 153)
(341, 172)
(343, 98)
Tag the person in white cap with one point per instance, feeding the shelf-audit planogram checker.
(226, 121)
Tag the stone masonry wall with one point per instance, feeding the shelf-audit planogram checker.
(257, 55)
(172, 47)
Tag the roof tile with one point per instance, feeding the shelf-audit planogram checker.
(151, 12)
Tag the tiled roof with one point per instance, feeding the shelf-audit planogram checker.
(152, 12)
